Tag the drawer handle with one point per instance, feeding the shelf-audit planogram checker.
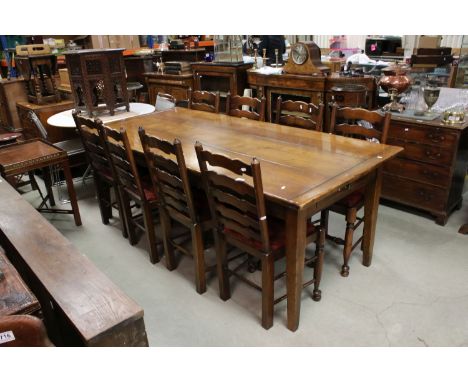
(425, 196)
(431, 174)
(436, 138)
(432, 155)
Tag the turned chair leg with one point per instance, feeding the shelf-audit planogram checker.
(268, 277)
(127, 212)
(348, 245)
(199, 259)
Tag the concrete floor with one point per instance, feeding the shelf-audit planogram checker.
(414, 294)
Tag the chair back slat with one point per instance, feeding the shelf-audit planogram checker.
(203, 101)
(237, 203)
(348, 122)
(165, 102)
(299, 114)
(93, 142)
(169, 175)
(234, 107)
(121, 156)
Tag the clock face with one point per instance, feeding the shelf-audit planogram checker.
(299, 54)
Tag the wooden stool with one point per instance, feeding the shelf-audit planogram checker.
(19, 158)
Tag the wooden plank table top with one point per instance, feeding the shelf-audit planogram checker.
(303, 171)
(93, 305)
(298, 166)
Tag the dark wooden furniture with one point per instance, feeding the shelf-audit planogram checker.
(19, 158)
(175, 85)
(39, 73)
(23, 330)
(203, 101)
(7, 138)
(223, 77)
(11, 91)
(43, 112)
(80, 305)
(313, 89)
(15, 296)
(430, 173)
(234, 107)
(303, 172)
(91, 133)
(347, 122)
(133, 188)
(299, 114)
(191, 55)
(137, 66)
(463, 229)
(179, 202)
(97, 79)
(239, 211)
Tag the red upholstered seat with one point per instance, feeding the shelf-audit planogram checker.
(353, 199)
(276, 232)
(148, 189)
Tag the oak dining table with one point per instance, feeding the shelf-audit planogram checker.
(303, 172)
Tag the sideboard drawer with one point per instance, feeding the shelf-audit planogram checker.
(423, 134)
(423, 172)
(424, 153)
(414, 193)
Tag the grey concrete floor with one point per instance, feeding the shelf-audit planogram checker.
(414, 294)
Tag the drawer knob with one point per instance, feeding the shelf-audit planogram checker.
(432, 155)
(436, 138)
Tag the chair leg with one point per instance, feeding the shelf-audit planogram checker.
(127, 212)
(123, 220)
(150, 234)
(222, 266)
(348, 245)
(319, 253)
(268, 277)
(103, 196)
(166, 226)
(199, 259)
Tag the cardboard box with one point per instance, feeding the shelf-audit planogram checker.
(99, 42)
(430, 42)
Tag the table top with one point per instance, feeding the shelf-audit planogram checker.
(25, 153)
(299, 167)
(65, 119)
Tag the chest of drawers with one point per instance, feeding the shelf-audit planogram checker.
(429, 174)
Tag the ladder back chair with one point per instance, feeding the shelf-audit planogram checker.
(164, 102)
(299, 114)
(235, 106)
(178, 201)
(91, 133)
(203, 100)
(133, 188)
(237, 205)
(361, 124)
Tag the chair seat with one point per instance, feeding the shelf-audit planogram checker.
(276, 232)
(353, 200)
(71, 146)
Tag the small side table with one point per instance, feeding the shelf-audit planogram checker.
(22, 157)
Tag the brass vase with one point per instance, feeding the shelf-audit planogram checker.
(394, 82)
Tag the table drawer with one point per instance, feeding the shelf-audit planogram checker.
(422, 172)
(424, 153)
(423, 134)
(414, 193)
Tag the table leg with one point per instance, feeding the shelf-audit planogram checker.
(71, 192)
(295, 252)
(371, 208)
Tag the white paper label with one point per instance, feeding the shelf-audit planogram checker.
(6, 337)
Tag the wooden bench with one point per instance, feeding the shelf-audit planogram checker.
(81, 306)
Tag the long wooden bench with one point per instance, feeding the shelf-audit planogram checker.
(80, 305)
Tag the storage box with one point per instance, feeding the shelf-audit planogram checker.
(430, 42)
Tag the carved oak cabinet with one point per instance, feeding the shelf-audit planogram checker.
(429, 174)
